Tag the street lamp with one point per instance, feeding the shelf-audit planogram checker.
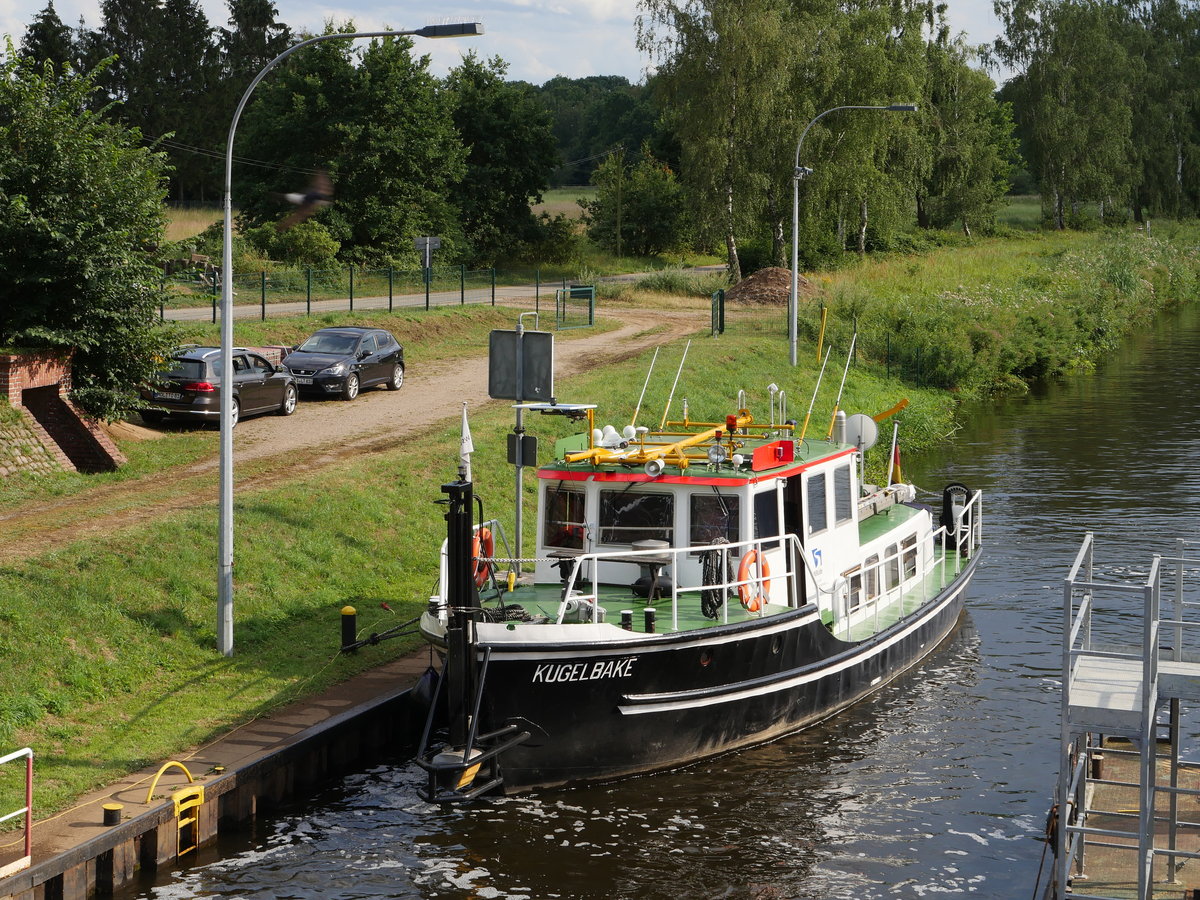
(798, 173)
(225, 503)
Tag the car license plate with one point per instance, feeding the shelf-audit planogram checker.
(303, 380)
(167, 395)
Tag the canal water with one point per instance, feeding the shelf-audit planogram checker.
(938, 785)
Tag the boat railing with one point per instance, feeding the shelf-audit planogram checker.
(901, 570)
(759, 580)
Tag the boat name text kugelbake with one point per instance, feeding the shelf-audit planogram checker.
(549, 673)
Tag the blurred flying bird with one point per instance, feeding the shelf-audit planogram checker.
(318, 195)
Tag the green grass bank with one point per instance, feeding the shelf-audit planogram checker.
(109, 643)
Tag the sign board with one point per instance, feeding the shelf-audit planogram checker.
(427, 243)
(528, 450)
(521, 365)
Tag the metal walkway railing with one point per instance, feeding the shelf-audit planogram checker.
(1115, 685)
(26, 810)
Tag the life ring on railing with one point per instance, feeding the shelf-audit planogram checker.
(482, 549)
(754, 596)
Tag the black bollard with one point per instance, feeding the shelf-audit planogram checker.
(349, 628)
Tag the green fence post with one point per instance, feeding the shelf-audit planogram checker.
(352, 288)
(493, 285)
(308, 290)
(262, 294)
(214, 296)
(390, 271)
(462, 284)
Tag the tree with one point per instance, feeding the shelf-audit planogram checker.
(724, 67)
(645, 201)
(162, 77)
(592, 116)
(511, 153)
(47, 38)
(80, 208)
(971, 142)
(1073, 101)
(380, 128)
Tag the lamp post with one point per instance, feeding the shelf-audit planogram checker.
(225, 501)
(799, 173)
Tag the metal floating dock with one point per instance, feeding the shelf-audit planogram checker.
(1127, 819)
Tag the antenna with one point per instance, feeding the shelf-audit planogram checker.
(846, 371)
(820, 375)
(645, 385)
(673, 386)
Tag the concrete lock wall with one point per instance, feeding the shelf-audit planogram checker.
(291, 772)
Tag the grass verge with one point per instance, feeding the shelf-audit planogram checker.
(109, 644)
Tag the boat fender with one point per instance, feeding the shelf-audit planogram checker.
(756, 595)
(425, 689)
(482, 548)
(954, 497)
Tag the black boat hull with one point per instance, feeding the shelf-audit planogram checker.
(606, 710)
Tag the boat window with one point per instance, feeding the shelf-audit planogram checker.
(766, 514)
(565, 519)
(626, 517)
(871, 571)
(893, 566)
(817, 514)
(843, 507)
(855, 582)
(713, 517)
(910, 555)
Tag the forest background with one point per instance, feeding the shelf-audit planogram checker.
(1100, 119)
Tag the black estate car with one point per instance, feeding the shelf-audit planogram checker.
(342, 361)
(190, 388)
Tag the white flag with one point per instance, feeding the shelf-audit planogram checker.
(466, 447)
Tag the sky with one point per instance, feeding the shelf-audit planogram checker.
(537, 38)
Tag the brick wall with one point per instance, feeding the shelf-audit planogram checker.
(49, 372)
(33, 369)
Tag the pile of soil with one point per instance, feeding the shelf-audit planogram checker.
(768, 287)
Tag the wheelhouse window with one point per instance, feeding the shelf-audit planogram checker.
(565, 522)
(818, 517)
(843, 505)
(712, 517)
(626, 517)
(766, 514)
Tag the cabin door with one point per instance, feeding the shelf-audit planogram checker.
(768, 522)
(793, 523)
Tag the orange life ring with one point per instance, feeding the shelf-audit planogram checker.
(754, 596)
(482, 545)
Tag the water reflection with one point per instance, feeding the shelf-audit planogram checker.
(939, 784)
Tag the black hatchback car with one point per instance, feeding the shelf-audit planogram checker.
(343, 361)
(190, 388)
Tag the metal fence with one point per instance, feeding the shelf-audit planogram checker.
(284, 291)
(575, 306)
